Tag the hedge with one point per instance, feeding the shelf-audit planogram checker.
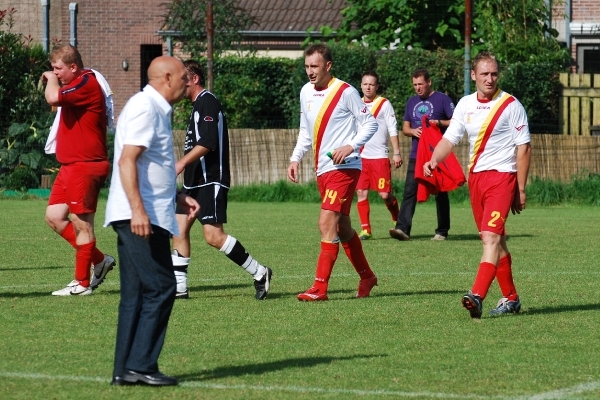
(264, 92)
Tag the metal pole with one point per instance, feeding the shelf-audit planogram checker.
(73, 12)
(468, 15)
(45, 26)
(209, 45)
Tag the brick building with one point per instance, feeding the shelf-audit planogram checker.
(578, 24)
(120, 38)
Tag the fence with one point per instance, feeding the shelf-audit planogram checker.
(262, 156)
(580, 103)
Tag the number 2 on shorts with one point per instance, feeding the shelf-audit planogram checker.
(495, 215)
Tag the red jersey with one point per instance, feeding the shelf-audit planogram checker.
(82, 128)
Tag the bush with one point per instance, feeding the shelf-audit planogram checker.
(21, 179)
(396, 67)
(26, 117)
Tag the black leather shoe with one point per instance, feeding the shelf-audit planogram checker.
(118, 381)
(155, 379)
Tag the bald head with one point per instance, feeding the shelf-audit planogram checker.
(169, 77)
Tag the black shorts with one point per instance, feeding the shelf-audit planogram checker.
(213, 203)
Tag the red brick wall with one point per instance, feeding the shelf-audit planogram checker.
(585, 10)
(110, 31)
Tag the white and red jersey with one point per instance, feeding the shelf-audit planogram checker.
(382, 110)
(494, 129)
(330, 119)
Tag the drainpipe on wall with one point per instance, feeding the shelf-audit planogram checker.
(73, 13)
(568, 25)
(45, 26)
(169, 46)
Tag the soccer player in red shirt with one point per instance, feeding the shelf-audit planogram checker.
(81, 151)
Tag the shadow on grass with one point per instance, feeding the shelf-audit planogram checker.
(560, 309)
(465, 237)
(29, 268)
(419, 293)
(206, 288)
(24, 295)
(351, 294)
(259, 369)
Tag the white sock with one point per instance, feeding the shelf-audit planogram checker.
(180, 263)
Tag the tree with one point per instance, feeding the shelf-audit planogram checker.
(516, 30)
(382, 24)
(189, 18)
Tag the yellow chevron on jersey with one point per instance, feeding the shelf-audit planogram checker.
(485, 130)
(327, 106)
(376, 105)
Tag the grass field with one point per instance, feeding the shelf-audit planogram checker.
(410, 339)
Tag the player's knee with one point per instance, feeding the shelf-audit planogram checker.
(386, 196)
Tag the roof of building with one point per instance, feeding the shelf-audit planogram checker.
(293, 16)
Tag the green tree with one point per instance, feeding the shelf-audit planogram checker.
(382, 24)
(189, 18)
(516, 30)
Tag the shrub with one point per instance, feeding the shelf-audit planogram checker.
(21, 179)
(26, 117)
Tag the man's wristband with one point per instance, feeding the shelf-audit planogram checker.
(397, 154)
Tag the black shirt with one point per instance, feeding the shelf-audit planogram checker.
(208, 128)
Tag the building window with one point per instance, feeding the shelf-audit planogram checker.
(588, 57)
(148, 52)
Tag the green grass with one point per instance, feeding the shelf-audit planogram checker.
(411, 339)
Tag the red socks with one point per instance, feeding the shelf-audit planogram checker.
(69, 235)
(393, 208)
(483, 280)
(364, 210)
(505, 278)
(83, 260)
(327, 257)
(95, 257)
(354, 251)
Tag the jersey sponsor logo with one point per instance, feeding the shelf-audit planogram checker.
(208, 119)
(318, 94)
(518, 128)
(364, 110)
(484, 107)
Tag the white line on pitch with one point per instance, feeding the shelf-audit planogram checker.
(292, 389)
(564, 393)
(244, 278)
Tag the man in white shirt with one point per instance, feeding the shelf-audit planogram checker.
(331, 112)
(500, 151)
(141, 210)
(376, 168)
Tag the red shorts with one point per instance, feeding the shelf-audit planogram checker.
(492, 194)
(78, 185)
(337, 189)
(376, 175)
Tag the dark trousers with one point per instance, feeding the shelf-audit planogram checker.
(147, 295)
(409, 202)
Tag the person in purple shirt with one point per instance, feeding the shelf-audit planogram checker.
(439, 107)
